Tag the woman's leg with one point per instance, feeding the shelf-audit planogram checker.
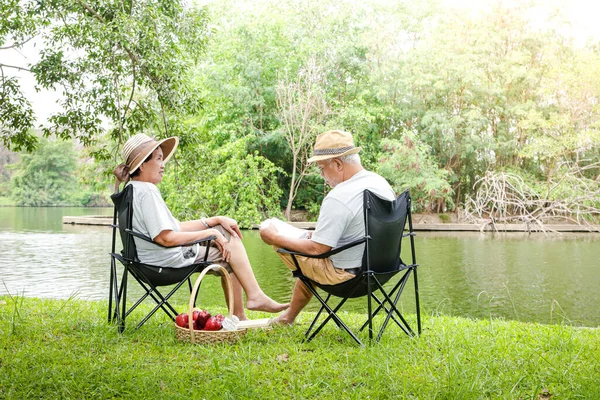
(238, 299)
(256, 299)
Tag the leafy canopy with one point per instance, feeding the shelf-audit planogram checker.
(125, 62)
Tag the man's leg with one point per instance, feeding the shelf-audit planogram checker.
(301, 296)
(317, 269)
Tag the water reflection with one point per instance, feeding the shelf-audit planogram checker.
(546, 279)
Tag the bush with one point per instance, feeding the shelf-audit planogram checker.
(408, 165)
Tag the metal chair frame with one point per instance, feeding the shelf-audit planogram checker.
(117, 298)
(374, 282)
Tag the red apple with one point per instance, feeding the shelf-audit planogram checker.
(213, 324)
(201, 319)
(195, 314)
(182, 320)
(220, 317)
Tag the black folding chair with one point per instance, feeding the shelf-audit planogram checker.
(149, 277)
(385, 223)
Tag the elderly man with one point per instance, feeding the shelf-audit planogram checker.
(340, 219)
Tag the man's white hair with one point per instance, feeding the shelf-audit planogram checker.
(350, 158)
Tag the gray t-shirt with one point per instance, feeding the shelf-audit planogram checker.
(341, 218)
(150, 217)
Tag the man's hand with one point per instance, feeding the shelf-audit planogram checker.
(231, 226)
(268, 234)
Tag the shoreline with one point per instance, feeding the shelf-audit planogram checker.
(103, 220)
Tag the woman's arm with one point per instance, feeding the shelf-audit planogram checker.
(230, 225)
(171, 238)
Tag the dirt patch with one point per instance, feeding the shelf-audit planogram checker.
(433, 218)
(298, 215)
(301, 216)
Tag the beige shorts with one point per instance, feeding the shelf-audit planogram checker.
(214, 255)
(320, 270)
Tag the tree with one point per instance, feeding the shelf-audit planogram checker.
(125, 61)
(409, 165)
(223, 181)
(302, 110)
(46, 177)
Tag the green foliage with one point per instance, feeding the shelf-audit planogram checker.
(47, 176)
(225, 181)
(7, 157)
(486, 90)
(408, 165)
(126, 62)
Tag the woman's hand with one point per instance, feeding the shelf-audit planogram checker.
(222, 245)
(231, 226)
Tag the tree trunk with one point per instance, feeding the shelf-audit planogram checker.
(288, 209)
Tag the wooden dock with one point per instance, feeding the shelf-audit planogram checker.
(103, 220)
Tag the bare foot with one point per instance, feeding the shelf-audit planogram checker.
(281, 320)
(265, 303)
(242, 317)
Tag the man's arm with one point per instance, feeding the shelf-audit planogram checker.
(270, 236)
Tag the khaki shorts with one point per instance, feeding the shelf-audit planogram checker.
(320, 270)
(214, 255)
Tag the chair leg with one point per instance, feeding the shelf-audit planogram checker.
(332, 315)
(393, 305)
(110, 289)
(123, 298)
(399, 287)
(418, 306)
(369, 315)
(150, 291)
(390, 314)
(381, 304)
(164, 301)
(314, 321)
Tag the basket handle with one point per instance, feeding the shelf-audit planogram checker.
(225, 278)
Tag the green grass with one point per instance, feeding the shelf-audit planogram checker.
(445, 218)
(65, 349)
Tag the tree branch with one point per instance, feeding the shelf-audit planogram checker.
(92, 11)
(15, 67)
(12, 46)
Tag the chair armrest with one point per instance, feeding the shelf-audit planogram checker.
(147, 239)
(327, 254)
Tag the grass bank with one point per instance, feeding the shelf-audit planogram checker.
(65, 349)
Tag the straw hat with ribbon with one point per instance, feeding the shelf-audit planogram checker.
(333, 144)
(137, 149)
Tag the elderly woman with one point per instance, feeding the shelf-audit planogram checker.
(144, 166)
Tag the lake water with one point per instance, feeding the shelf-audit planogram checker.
(537, 278)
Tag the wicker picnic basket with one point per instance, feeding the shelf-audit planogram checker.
(208, 337)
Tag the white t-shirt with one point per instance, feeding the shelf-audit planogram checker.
(341, 218)
(150, 217)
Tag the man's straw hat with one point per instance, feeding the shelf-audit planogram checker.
(140, 146)
(333, 144)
